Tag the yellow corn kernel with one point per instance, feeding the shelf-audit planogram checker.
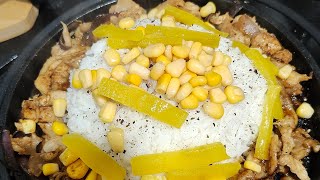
(305, 110)
(76, 83)
(163, 83)
(50, 168)
(119, 73)
(157, 71)
(285, 71)
(154, 50)
(208, 50)
(67, 157)
(116, 139)
(153, 177)
(234, 94)
(126, 23)
(85, 77)
(131, 55)
(225, 74)
(187, 44)
(92, 175)
(190, 102)
(77, 169)
(209, 8)
(94, 78)
(180, 51)
(134, 79)
(252, 166)
(208, 69)
(195, 50)
(99, 100)
(184, 91)
(195, 66)
(59, 107)
(142, 71)
(143, 61)
(214, 110)
(108, 112)
(226, 60)
(102, 73)
(168, 21)
(168, 52)
(163, 59)
(176, 68)
(216, 95)
(213, 79)
(173, 88)
(205, 59)
(27, 126)
(112, 57)
(141, 28)
(200, 93)
(59, 128)
(186, 76)
(198, 81)
(152, 13)
(218, 58)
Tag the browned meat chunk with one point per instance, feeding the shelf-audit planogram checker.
(268, 43)
(286, 127)
(275, 148)
(25, 145)
(246, 25)
(127, 8)
(283, 55)
(295, 166)
(292, 84)
(246, 175)
(36, 161)
(303, 144)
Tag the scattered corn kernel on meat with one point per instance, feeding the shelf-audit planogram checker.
(167, 94)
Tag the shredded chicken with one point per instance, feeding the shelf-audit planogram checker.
(286, 127)
(275, 148)
(26, 145)
(304, 144)
(37, 160)
(292, 83)
(246, 175)
(295, 166)
(127, 8)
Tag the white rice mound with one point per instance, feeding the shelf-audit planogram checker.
(237, 129)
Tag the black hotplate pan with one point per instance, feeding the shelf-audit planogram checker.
(292, 30)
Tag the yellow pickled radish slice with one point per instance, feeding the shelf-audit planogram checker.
(93, 157)
(242, 47)
(111, 31)
(215, 171)
(182, 159)
(189, 19)
(207, 39)
(143, 102)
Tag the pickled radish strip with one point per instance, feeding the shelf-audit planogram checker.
(207, 39)
(215, 171)
(143, 102)
(177, 160)
(189, 19)
(111, 31)
(93, 157)
(265, 128)
(242, 47)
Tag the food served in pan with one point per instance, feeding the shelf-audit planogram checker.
(180, 92)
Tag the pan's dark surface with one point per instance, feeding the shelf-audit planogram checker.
(294, 33)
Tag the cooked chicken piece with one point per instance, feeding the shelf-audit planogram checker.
(54, 74)
(127, 8)
(47, 130)
(37, 160)
(192, 8)
(57, 94)
(286, 127)
(287, 178)
(267, 42)
(263, 173)
(292, 83)
(36, 101)
(26, 145)
(275, 148)
(288, 107)
(295, 166)
(283, 55)
(217, 19)
(247, 25)
(246, 175)
(53, 144)
(303, 144)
